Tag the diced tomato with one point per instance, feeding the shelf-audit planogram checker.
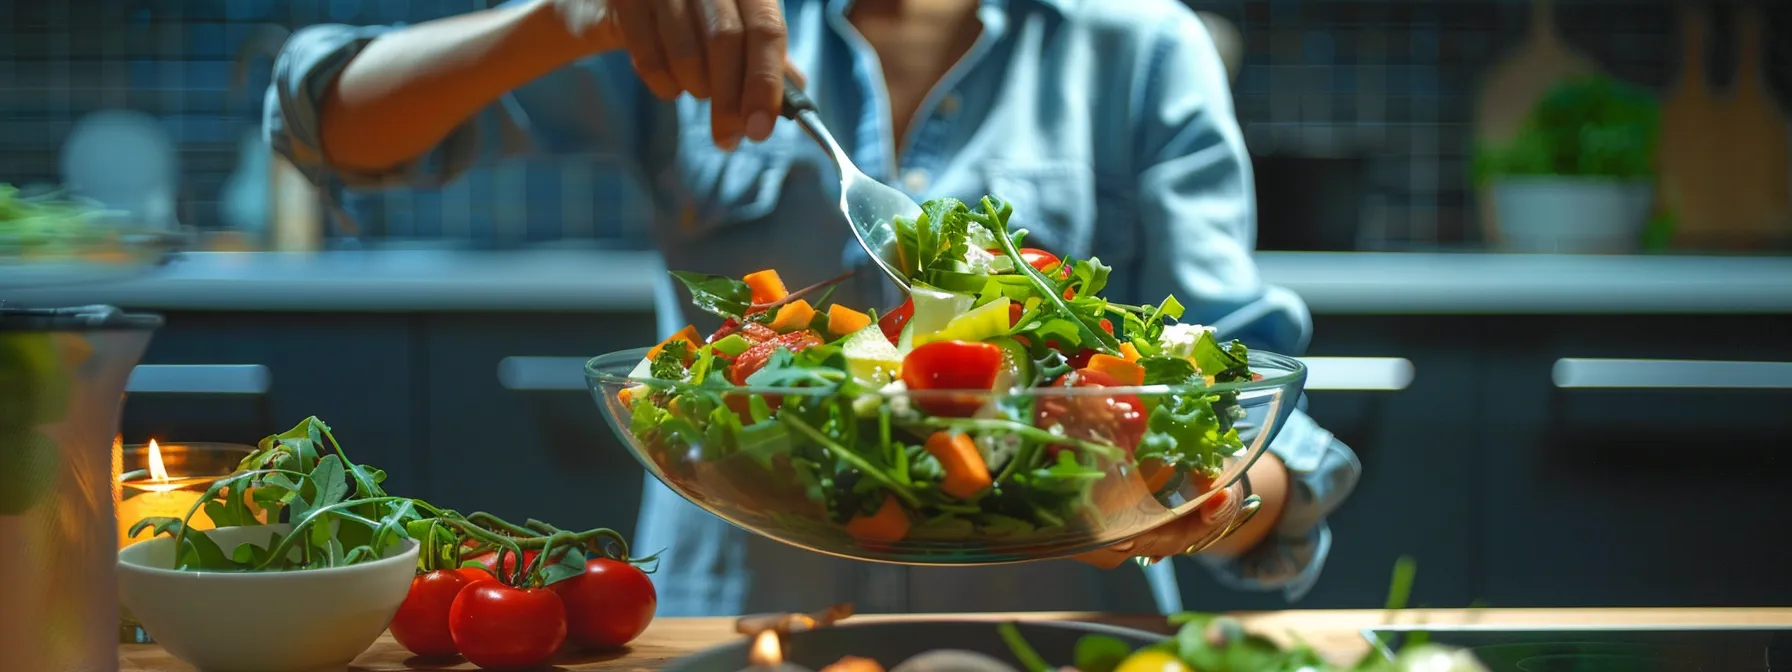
(755, 357)
(757, 333)
(1014, 313)
(892, 322)
(952, 365)
(1117, 420)
(1107, 326)
(1080, 359)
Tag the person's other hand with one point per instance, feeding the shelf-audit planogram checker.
(1195, 530)
(729, 52)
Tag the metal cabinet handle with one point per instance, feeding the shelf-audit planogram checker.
(199, 379)
(1587, 372)
(1363, 374)
(542, 374)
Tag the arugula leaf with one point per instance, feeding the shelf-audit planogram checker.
(1169, 371)
(669, 363)
(719, 295)
(1100, 653)
(1186, 431)
(1089, 277)
(1225, 363)
(820, 366)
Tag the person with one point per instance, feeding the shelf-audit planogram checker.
(1108, 126)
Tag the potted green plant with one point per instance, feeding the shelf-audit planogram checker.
(1579, 176)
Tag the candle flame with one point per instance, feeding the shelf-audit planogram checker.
(767, 651)
(157, 472)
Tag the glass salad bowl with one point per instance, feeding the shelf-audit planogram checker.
(946, 476)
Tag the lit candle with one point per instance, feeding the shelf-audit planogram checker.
(158, 496)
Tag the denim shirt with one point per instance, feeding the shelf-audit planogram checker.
(1109, 127)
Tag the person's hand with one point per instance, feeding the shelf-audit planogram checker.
(729, 52)
(1189, 534)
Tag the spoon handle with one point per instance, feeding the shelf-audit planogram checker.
(795, 101)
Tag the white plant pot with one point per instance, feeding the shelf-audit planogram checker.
(314, 620)
(1574, 215)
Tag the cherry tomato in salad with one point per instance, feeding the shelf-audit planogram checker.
(499, 627)
(607, 606)
(952, 365)
(1117, 420)
(421, 624)
(1014, 312)
(754, 358)
(891, 323)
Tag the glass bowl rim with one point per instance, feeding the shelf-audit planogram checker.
(1295, 373)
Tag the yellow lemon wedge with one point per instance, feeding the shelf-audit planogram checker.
(1149, 660)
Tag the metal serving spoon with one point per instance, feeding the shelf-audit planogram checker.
(871, 207)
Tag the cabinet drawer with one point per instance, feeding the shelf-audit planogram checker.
(512, 429)
(237, 377)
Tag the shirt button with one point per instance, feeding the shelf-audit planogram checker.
(915, 180)
(950, 103)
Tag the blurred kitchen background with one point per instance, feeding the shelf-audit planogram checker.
(1525, 433)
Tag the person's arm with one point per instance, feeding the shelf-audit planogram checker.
(1198, 208)
(409, 88)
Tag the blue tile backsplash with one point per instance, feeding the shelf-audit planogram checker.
(1391, 82)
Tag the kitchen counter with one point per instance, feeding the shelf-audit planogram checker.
(1337, 634)
(597, 281)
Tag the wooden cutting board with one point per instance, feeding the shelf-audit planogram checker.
(1335, 634)
(1690, 182)
(1514, 84)
(1758, 166)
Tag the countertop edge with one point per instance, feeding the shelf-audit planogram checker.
(1336, 634)
(603, 281)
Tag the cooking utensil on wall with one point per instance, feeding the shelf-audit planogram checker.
(1691, 144)
(1514, 84)
(1756, 167)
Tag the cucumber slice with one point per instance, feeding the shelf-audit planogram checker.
(1017, 365)
(870, 357)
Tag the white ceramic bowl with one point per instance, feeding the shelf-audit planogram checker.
(312, 620)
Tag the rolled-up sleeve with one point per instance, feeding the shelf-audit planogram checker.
(1198, 210)
(308, 64)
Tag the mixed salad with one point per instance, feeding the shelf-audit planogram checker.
(962, 413)
(51, 227)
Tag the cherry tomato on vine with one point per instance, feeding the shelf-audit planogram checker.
(421, 625)
(1117, 420)
(891, 323)
(755, 357)
(499, 627)
(475, 574)
(607, 606)
(952, 365)
(490, 560)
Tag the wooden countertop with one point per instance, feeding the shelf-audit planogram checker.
(1337, 634)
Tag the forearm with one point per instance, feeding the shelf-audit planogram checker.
(1268, 480)
(408, 89)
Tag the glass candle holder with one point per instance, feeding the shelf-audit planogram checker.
(152, 480)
